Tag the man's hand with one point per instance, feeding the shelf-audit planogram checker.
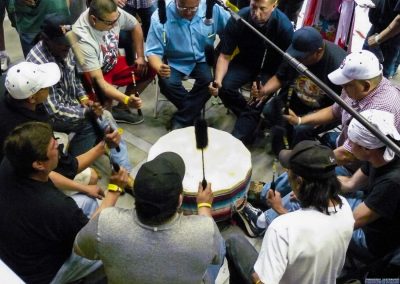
(30, 3)
(164, 71)
(372, 41)
(121, 178)
(274, 201)
(97, 108)
(94, 191)
(141, 65)
(112, 139)
(120, 3)
(292, 118)
(134, 102)
(206, 195)
(343, 156)
(214, 87)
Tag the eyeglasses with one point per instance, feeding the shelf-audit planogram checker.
(186, 9)
(109, 23)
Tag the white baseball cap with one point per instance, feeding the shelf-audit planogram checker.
(26, 78)
(359, 65)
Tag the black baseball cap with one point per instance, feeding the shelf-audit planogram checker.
(305, 41)
(309, 159)
(159, 181)
(52, 27)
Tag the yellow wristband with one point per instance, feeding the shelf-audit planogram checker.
(120, 131)
(84, 98)
(126, 100)
(114, 187)
(204, 204)
(258, 281)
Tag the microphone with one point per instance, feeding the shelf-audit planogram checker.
(162, 13)
(200, 131)
(209, 13)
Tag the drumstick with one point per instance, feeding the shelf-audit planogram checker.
(200, 131)
(136, 92)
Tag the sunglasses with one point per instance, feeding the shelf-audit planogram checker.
(186, 9)
(109, 23)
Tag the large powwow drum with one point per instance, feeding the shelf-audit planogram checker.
(227, 167)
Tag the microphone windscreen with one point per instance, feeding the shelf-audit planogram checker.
(162, 13)
(200, 131)
(209, 53)
(277, 135)
(209, 12)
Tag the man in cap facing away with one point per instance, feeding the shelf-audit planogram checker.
(376, 209)
(153, 243)
(306, 245)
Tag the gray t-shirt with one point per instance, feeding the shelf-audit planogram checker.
(100, 48)
(177, 252)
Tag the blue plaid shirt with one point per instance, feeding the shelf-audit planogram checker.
(63, 100)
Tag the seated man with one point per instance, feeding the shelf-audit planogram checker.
(67, 103)
(36, 242)
(24, 102)
(376, 209)
(308, 245)
(364, 88)
(153, 243)
(256, 61)
(321, 58)
(175, 49)
(98, 30)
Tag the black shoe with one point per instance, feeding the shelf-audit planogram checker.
(248, 219)
(126, 116)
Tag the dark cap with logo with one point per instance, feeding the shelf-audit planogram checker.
(159, 181)
(310, 160)
(55, 27)
(305, 41)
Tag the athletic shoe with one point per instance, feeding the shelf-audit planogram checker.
(248, 218)
(126, 116)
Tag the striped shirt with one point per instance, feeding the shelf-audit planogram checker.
(385, 97)
(63, 100)
(139, 4)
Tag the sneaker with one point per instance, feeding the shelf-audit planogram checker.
(248, 218)
(126, 116)
(4, 62)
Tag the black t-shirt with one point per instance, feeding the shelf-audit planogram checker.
(383, 13)
(308, 92)
(13, 114)
(383, 197)
(38, 226)
(251, 47)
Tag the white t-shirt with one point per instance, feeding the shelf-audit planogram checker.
(306, 246)
(100, 48)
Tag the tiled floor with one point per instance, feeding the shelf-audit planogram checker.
(141, 137)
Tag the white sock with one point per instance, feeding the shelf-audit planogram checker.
(261, 222)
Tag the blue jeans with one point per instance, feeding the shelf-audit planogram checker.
(213, 269)
(85, 138)
(26, 40)
(240, 254)
(387, 52)
(77, 267)
(248, 117)
(188, 103)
